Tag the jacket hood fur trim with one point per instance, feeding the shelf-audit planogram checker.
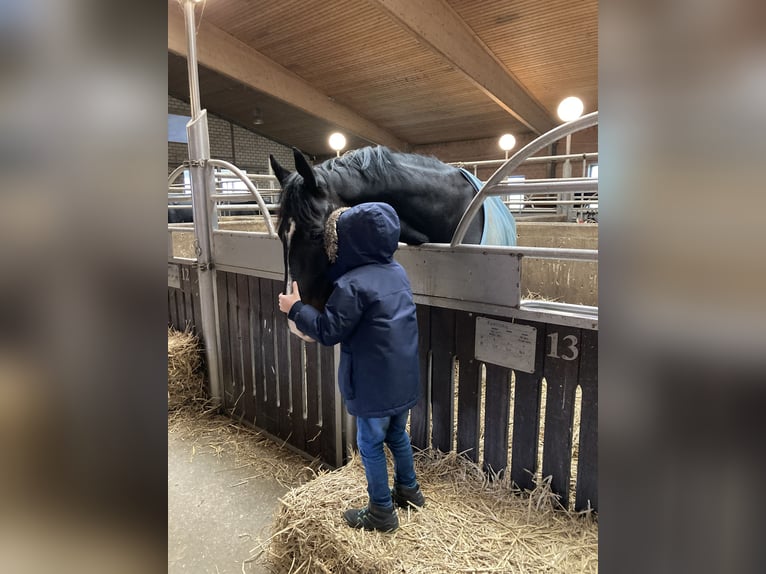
(331, 234)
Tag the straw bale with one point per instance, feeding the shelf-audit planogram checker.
(469, 524)
(185, 379)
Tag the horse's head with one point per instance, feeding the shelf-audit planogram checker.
(304, 208)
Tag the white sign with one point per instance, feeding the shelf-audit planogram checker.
(174, 276)
(506, 344)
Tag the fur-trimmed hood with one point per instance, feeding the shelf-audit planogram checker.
(360, 235)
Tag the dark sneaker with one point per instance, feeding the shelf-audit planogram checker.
(373, 518)
(404, 497)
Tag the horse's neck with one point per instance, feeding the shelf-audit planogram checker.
(352, 189)
(347, 190)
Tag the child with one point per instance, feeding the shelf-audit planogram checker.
(372, 314)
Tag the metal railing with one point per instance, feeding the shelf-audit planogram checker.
(497, 184)
(547, 196)
(182, 192)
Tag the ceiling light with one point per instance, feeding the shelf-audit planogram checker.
(337, 142)
(570, 108)
(507, 141)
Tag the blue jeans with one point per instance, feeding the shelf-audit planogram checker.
(370, 436)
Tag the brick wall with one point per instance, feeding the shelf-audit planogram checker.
(244, 148)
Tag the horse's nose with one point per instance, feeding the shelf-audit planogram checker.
(297, 332)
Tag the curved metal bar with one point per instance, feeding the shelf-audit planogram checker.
(249, 184)
(175, 173)
(515, 161)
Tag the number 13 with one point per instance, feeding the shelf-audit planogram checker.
(571, 346)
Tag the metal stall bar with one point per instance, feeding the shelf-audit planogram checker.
(175, 173)
(202, 182)
(251, 187)
(536, 159)
(491, 187)
(546, 186)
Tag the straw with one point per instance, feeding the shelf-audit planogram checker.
(469, 524)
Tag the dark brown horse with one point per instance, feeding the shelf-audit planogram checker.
(429, 196)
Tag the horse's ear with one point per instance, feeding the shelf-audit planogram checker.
(279, 171)
(306, 171)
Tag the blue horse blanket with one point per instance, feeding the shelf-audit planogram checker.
(499, 224)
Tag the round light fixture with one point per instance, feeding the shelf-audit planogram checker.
(570, 108)
(507, 141)
(337, 141)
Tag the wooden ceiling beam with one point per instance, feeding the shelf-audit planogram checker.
(435, 24)
(226, 55)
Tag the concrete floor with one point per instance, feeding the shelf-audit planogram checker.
(214, 522)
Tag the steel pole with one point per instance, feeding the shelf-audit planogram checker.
(191, 58)
(566, 173)
(202, 181)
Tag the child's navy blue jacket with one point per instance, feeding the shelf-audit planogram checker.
(371, 313)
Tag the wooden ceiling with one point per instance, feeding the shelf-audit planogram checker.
(395, 72)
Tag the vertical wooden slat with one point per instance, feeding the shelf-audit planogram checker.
(561, 378)
(330, 449)
(197, 313)
(297, 432)
(496, 411)
(172, 311)
(223, 331)
(243, 316)
(526, 416)
(587, 464)
(419, 418)
(195, 300)
(312, 399)
(271, 411)
(236, 388)
(442, 391)
(469, 392)
(256, 349)
(283, 369)
(180, 309)
(181, 304)
(188, 301)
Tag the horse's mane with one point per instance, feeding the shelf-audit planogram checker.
(374, 160)
(376, 163)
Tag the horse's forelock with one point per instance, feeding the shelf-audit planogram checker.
(307, 212)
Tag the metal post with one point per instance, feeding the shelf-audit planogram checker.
(202, 181)
(191, 58)
(566, 173)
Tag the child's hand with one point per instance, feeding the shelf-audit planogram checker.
(286, 302)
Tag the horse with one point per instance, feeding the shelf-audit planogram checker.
(428, 195)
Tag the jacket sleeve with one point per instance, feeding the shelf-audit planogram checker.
(341, 315)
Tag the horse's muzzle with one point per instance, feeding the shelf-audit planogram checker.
(290, 323)
(297, 332)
